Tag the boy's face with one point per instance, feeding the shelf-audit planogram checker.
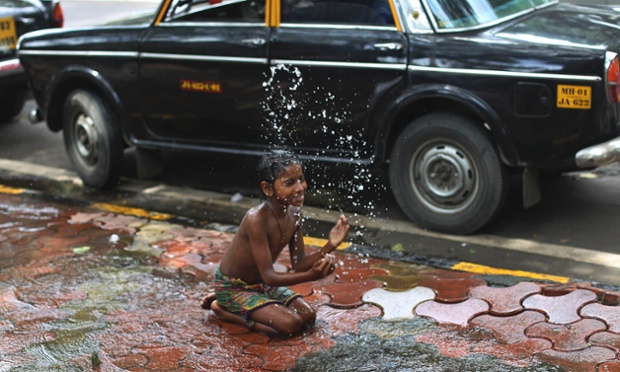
(290, 186)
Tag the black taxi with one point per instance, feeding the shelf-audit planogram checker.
(453, 97)
(16, 18)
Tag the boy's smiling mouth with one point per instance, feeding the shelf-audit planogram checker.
(297, 199)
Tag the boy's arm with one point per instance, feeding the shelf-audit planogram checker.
(301, 262)
(259, 244)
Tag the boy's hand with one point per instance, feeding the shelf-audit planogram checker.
(324, 266)
(339, 231)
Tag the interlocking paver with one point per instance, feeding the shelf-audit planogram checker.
(607, 339)
(508, 329)
(456, 314)
(347, 295)
(452, 289)
(520, 351)
(608, 314)
(561, 309)
(567, 337)
(613, 366)
(505, 301)
(459, 343)
(398, 305)
(341, 321)
(582, 360)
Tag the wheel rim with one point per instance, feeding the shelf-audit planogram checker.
(444, 177)
(86, 139)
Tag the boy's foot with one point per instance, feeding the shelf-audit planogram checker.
(207, 301)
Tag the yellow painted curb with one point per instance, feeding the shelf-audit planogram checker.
(481, 269)
(138, 212)
(318, 242)
(10, 190)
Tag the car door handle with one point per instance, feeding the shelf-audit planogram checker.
(254, 42)
(389, 46)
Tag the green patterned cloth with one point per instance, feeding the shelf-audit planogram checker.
(242, 299)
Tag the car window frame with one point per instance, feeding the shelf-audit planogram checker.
(439, 30)
(164, 18)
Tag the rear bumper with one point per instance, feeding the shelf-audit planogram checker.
(597, 155)
(10, 68)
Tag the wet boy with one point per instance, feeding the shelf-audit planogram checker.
(248, 290)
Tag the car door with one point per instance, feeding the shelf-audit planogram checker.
(201, 75)
(332, 62)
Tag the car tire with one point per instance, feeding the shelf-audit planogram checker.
(446, 174)
(11, 105)
(92, 139)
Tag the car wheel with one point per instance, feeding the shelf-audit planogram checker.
(92, 139)
(446, 174)
(11, 105)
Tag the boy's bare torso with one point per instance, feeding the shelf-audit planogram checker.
(239, 261)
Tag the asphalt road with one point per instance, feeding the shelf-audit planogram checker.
(572, 232)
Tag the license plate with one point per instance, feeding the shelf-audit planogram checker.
(574, 97)
(8, 36)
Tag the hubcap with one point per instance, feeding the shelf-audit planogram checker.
(444, 178)
(86, 139)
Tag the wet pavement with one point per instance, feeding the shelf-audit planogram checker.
(109, 288)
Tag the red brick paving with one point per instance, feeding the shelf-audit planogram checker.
(505, 301)
(72, 276)
(562, 309)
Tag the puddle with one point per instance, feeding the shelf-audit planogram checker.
(392, 346)
(65, 277)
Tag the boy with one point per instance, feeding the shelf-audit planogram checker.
(248, 290)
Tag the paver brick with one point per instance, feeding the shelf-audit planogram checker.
(612, 366)
(567, 337)
(561, 309)
(345, 296)
(608, 314)
(582, 360)
(452, 289)
(508, 329)
(608, 339)
(519, 351)
(457, 314)
(505, 301)
(398, 305)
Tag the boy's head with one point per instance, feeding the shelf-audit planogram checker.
(273, 165)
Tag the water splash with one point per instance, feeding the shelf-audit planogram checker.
(298, 111)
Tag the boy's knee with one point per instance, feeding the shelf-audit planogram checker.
(290, 326)
(309, 318)
(306, 312)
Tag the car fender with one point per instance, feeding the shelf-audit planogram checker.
(73, 77)
(420, 100)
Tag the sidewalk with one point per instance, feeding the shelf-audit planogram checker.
(108, 288)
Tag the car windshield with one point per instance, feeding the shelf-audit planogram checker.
(459, 14)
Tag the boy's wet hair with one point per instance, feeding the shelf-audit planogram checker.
(273, 164)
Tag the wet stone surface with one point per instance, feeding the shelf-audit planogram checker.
(86, 289)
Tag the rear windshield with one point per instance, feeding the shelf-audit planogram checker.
(459, 14)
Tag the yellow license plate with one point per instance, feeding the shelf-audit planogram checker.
(8, 36)
(575, 97)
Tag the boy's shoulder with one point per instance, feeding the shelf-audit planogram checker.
(254, 214)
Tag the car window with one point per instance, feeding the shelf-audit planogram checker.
(216, 11)
(456, 14)
(345, 12)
